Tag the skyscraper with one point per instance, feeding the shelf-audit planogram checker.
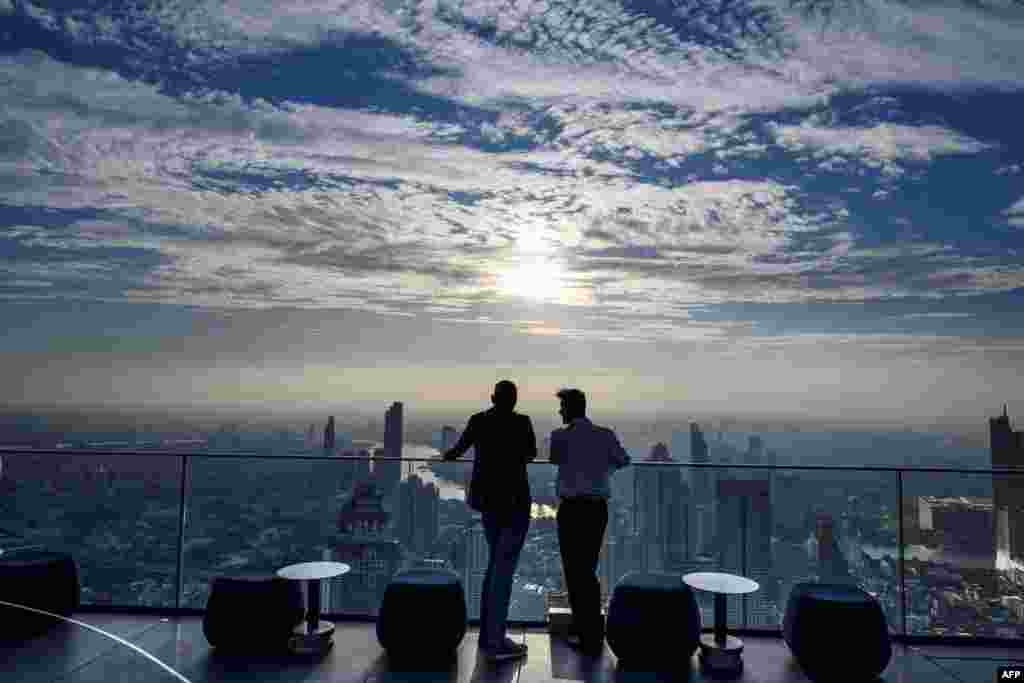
(1007, 451)
(755, 449)
(363, 543)
(474, 556)
(663, 506)
(417, 515)
(831, 563)
(703, 490)
(744, 524)
(702, 495)
(449, 435)
(329, 434)
(388, 473)
(393, 430)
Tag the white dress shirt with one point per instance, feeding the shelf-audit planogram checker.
(586, 455)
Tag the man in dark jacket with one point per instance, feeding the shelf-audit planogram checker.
(500, 490)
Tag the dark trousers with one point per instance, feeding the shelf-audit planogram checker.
(505, 534)
(581, 526)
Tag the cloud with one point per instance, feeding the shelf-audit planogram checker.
(884, 146)
(557, 154)
(935, 314)
(953, 46)
(1015, 213)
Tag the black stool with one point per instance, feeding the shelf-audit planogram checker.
(252, 614)
(422, 615)
(43, 579)
(653, 621)
(836, 630)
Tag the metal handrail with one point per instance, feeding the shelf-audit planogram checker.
(179, 572)
(899, 544)
(464, 460)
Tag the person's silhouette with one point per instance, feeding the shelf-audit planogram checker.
(586, 454)
(504, 442)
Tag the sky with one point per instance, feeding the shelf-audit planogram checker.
(801, 208)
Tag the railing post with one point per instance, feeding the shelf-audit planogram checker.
(899, 549)
(636, 475)
(744, 504)
(179, 578)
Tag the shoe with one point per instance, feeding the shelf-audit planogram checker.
(511, 643)
(507, 644)
(507, 650)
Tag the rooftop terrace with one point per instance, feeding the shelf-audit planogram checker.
(150, 530)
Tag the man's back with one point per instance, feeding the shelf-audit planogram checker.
(586, 454)
(504, 442)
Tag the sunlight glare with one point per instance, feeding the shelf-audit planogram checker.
(538, 279)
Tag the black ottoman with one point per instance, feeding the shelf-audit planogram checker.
(653, 621)
(42, 579)
(252, 614)
(835, 629)
(422, 615)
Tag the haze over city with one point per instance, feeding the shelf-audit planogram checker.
(777, 211)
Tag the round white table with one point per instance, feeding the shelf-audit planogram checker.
(720, 652)
(315, 636)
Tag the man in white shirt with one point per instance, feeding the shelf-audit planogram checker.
(586, 454)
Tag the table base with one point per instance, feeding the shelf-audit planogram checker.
(721, 658)
(306, 642)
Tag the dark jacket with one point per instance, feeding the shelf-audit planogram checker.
(504, 442)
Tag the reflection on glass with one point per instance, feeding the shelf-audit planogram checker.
(963, 572)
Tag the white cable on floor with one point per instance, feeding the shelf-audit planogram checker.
(104, 633)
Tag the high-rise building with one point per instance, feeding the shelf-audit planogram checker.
(355, 471)
(329, 434)
(831, 563)
(663, 505)
(388, 473)
(1007, 451)
(702, 494)
(703, 488)
(963, 527)
(363, 542)
(418, 510)
(474, 556)
(393, 430)
(449, 435)
(311, 436)
(630, 554)
(744, 524)
(755, 449)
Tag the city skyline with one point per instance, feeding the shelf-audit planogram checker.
(813, 209)
(779, 526)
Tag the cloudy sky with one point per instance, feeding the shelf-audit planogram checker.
(794, 207)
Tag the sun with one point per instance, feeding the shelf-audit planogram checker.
(538, 279)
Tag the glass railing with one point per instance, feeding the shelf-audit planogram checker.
(118, 514)
(153, 530)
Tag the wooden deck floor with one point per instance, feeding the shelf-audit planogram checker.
(76, 654)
